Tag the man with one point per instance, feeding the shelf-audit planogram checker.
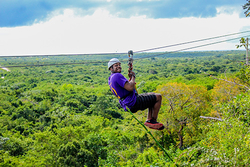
(125, 91)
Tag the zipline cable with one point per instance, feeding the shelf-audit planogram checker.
(190, 42)
(193, 47)
(59, 64)
(155, 55)
(140, 51)
(80, 54)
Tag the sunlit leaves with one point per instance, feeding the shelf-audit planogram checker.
(225, 91)
(182, 106)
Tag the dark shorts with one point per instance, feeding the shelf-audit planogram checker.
(144, 101)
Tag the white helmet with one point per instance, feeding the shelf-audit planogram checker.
(112, 61)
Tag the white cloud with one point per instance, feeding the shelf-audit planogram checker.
(68, 33)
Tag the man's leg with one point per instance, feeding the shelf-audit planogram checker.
(157, 106)
(153, 112)
(152, 101)
(150, 111)
(151, 121)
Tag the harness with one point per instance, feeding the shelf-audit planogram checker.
(124, 97)
(130, 64)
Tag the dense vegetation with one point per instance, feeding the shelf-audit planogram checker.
(65, 115)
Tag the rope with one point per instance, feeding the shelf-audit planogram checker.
(152, 137)
(130, 64)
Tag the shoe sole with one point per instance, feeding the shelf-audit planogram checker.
(153, 126)
(161, 128)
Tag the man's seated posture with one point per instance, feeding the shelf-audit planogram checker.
(125, 91)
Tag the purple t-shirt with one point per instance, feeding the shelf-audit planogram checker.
(116, 84)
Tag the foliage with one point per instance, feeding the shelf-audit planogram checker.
(225, 144)
(183, 104)
(65, 115)
(238, 108)
(226, 90)
(246, 7)
(244, 76)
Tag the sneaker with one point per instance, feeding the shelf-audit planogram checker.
(153, 124)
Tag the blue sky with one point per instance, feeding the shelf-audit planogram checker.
(84, 26)
(26, 12)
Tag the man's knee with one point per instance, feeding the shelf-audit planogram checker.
(158, 96)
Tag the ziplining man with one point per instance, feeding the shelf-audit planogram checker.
(124, 90)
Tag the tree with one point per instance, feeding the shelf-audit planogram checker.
(225, 144)
(244, 76)
(71, 154)
(244, 42)
(184, 103)
(225, 91)
(246, 7)
(105, 106)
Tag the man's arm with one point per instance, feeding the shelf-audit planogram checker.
(130, 85)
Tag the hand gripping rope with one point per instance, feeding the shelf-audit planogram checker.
(130, 65)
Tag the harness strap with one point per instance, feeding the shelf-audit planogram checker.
(124, 97)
